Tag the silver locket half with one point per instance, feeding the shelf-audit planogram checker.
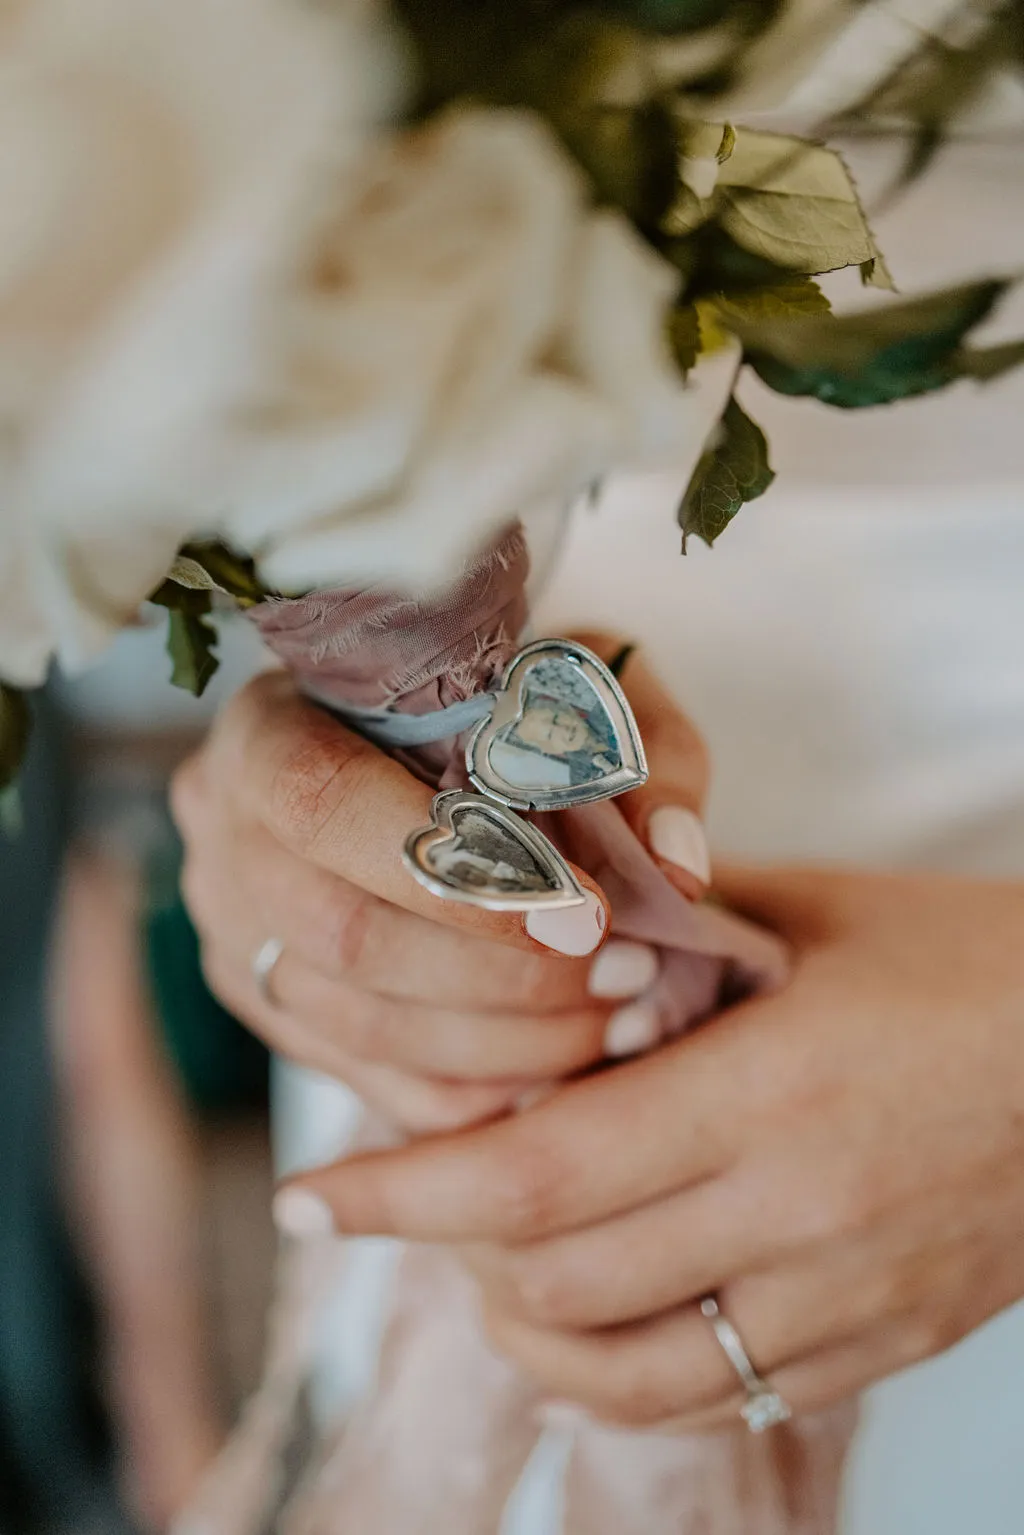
(482, 853)
(561, 733)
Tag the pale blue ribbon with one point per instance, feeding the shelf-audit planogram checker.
(385, 728)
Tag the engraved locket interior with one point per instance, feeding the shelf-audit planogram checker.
(478, 851)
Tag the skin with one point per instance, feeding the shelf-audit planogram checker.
(437, 1014)
(842, 1163)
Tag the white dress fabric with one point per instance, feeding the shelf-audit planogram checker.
(853, 651)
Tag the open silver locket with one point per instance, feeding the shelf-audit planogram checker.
(561, 733)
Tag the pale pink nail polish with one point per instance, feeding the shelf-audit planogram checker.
(571, 930)
(632, 1028)
(301, 1213)
(623, 969)
(677, 835)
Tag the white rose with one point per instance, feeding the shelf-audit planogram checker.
(140, 141)
(481, 344)
(358, 385)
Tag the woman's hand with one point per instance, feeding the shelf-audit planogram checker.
(842, 1163)
(437, 1013)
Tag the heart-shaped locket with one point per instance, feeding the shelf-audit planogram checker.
(561, 732)
(481, 853)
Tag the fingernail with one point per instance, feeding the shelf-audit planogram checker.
(572, 930)
(623, 969)
(632, 1028)
(301, 1213)
(677, 836)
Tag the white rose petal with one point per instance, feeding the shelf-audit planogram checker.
(140, 143)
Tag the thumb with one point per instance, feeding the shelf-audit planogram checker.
(665, 812)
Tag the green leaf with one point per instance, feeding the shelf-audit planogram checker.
(191, 636)
(788, 299)
(673, 16)
(215, 567)
(794, 203)
(734, 470)
(684, 336)
(713, 264)
(891, 352)
(629, 154)
(189, 573)
(989, 362)
(15, 729)
(191, 641)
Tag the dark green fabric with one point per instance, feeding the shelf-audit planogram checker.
(222, 1066)
(53, 1451)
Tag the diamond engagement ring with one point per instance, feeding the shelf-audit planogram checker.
(264, 963)
(764, 1407)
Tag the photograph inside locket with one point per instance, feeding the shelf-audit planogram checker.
(562, 736)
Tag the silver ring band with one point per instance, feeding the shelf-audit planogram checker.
(264, 963)
(764, 1407)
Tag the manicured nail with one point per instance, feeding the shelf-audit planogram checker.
(623, 969)
(677, 836)
(572, 930)
(632, 1028)
(301, 1213)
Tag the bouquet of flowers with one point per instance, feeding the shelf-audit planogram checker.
(333, 313)
(304, 296)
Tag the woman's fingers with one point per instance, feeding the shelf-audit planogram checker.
(343, 805)
(420, 1104)
(680, 1248)
(817, 1324)
(535, 1175)
(671, 1366)
(345, 935)
(665, 813)
(342, 1021)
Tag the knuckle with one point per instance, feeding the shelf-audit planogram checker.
(368, 1029)
(928, 1334)
(839, 1205)
(349, 915)
(853, 1199)
(312, 786)
(541, 983)
(880, 1297)
(543, 1291)
(526, 1190)
(916, 1341)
